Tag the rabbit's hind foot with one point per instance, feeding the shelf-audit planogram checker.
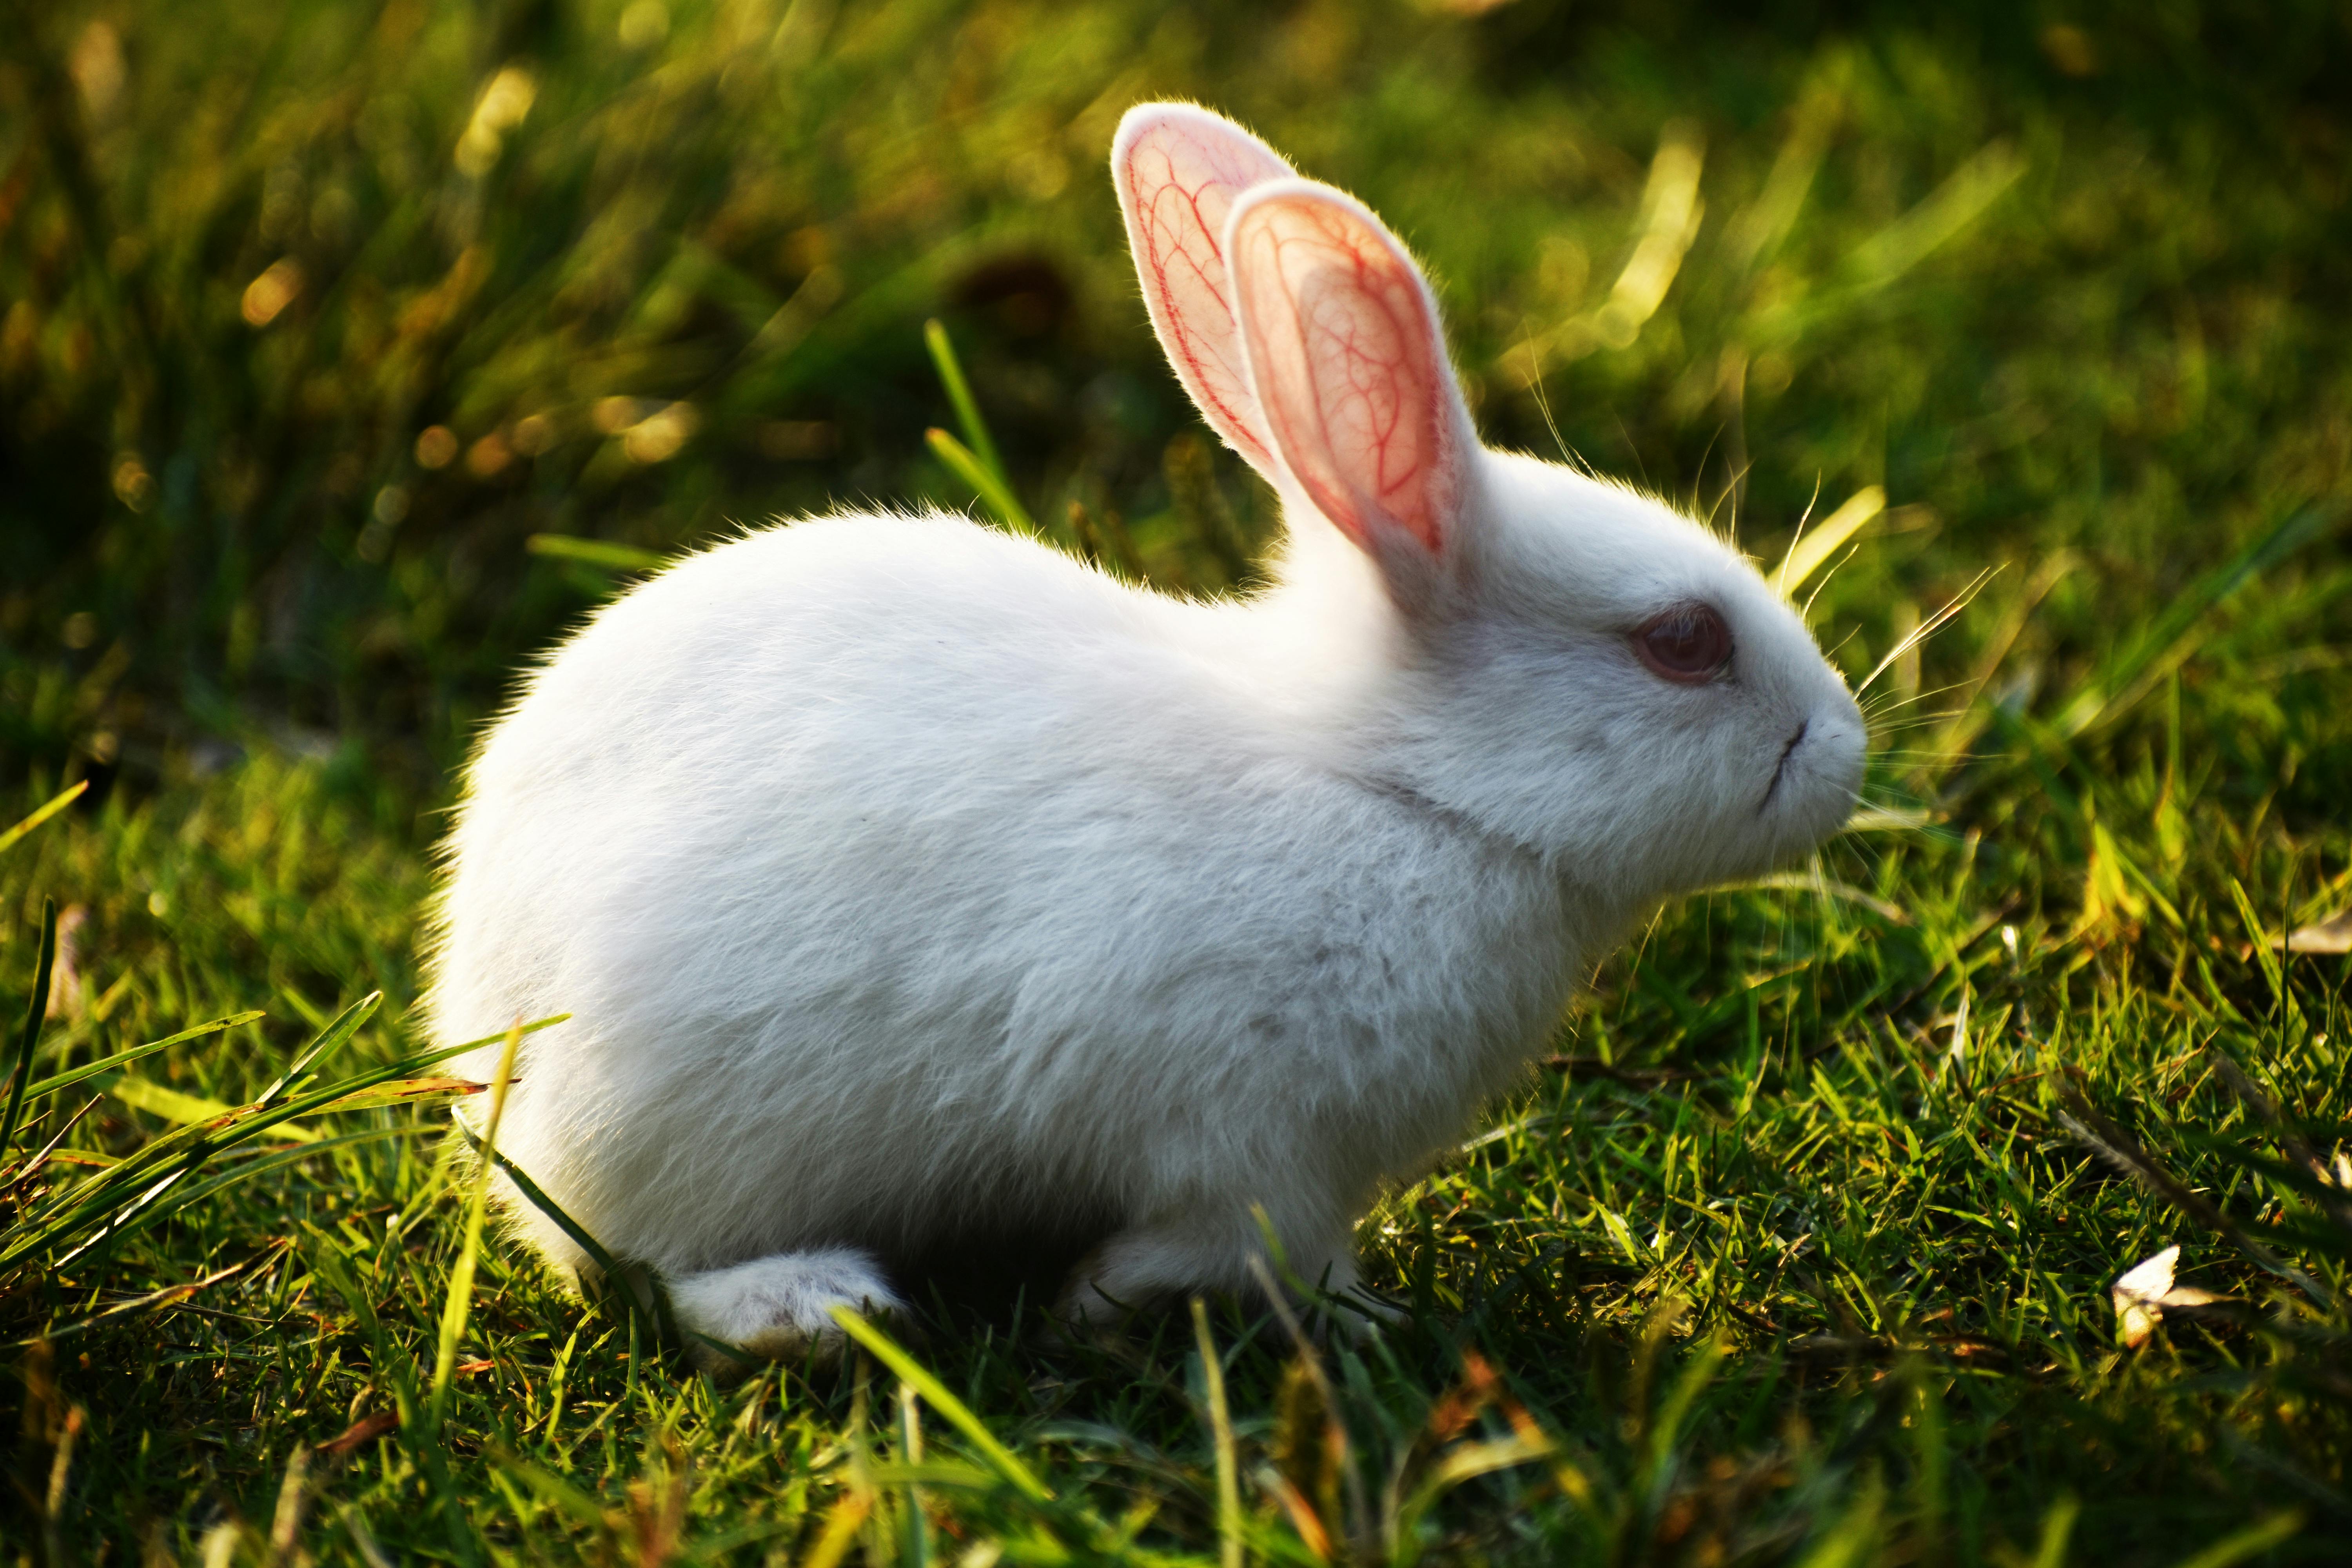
(778, 1307)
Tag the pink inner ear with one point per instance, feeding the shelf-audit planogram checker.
(1181, 175)
(1350, 370)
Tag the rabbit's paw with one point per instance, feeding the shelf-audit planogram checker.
(772, 1308)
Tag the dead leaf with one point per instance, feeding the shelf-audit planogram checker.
(2333, 934)
(2145, 1291)
(361, 1433)
(469, 1368)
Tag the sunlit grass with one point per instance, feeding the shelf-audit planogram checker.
(1795, 1246)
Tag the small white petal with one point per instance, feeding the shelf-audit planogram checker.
(2140, 1294)
(2148, 1279)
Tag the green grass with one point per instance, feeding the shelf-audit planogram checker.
(1798, 1252)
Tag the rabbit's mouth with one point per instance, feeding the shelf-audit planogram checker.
(1781, 768)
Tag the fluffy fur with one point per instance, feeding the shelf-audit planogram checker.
(909, 879)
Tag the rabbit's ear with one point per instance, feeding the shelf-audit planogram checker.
(1350, 367)
(1178, 170)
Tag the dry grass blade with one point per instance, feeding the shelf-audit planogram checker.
(1221, 1427)
(2123, 1152)
(2330, 936)
(361, 1433)
(284, 1546)
(1359, 1522)
(169, 1296)
(1928, 628)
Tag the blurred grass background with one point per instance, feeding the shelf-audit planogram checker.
(312, 314)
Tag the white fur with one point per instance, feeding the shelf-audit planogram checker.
(781, 1305)
(904, 876)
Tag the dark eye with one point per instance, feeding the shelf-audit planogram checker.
(1688, 644)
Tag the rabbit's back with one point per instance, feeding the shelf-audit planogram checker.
(899, 873)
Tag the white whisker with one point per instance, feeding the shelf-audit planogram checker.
(1919, 634)
(1543, 404)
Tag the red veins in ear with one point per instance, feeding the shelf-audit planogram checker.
(1181, 178)
(1350, 371)
(1688, 644)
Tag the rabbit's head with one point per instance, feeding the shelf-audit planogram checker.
(1570, 665)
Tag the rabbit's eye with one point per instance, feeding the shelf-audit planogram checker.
(1689, 644)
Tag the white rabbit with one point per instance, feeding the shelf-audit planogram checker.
(906, 880)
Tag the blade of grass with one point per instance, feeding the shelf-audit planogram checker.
(461, 1275)
(541, 1201)
(1464, 1462)
(991, 487)
(2256, 1538)
(56, 804)
(601, 552)
(57, 1141)
(637, 1289)
(35, 1009)
(407, 1092)
(1221, 1426)
(578, 1504)
(886, 1351)
(2305, 1162)
(124, 1191)
(143, 1210)
(174, 1106)
(910, 1442)
(155, 1299)
(396, 1367)
(1352, 1474)
(1809, 550)
(1666, 1424)
(2057, 1526)
(840, 1530)
(123, 1058)
(347, 1024)
(1850, 1539)
(241, 1124)
(2124, 1151)
(260, 1163)
(2171, 636)
(621, 1278)
(967, 409)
